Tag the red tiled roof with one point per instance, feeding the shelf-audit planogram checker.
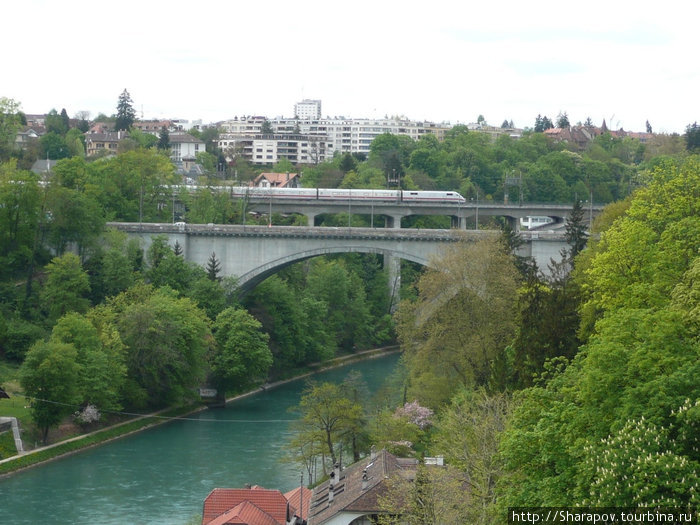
(245, 513)
(220, 501)
(293, 499)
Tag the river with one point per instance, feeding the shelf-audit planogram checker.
(162, 475)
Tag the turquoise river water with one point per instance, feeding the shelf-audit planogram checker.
(162, 475)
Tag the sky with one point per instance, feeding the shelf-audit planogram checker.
(627, 62)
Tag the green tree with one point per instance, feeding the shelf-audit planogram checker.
(100, 356)
(266, 128)
(10, 124)
(49, 377)
(67, 286)
(436, 496)
(164, 139)
(242, 356)
(166, 340)
(575, 230)
(73, 218)
(55, 123)
(126, 114)
(213, 267)
(692, 137)
(54, 146)
(20, 213)
(464, 315)
(327, 417)
(468, 434)
(563, 120)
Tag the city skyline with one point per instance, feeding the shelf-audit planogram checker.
(214, 61)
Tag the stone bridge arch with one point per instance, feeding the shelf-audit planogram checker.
(249, 280)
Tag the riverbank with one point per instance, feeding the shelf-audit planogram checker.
(76, 444)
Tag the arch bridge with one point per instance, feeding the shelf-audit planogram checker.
(253, 253)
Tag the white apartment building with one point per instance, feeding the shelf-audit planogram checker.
(327, 136)
(308, 109)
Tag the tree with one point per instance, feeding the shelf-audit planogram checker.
(468, 434)
(266, 128)
(49, 377)
(692, 137)
(437, 496)
(461, 322)
(648, 127)
(100, 357)
(166, 340)
(241, 356)
(575, 230)
(54, 146)
(213, 267)
(347, 163)
(164, 139)
(563, 120)
(20, 213)
(327, 416)
(67, 286)
(542, 124)
(56, 123)
(10, 124)
(126, 114)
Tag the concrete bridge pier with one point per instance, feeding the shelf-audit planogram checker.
(393, 221)
(393, 266)
(459, 222)
(310, 219)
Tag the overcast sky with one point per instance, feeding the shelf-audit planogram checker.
(623, 61)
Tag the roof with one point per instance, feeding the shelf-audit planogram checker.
(245, 513)
(349, 494)
(221, 501)
(303, 505)
(184, 138)
(276, 180)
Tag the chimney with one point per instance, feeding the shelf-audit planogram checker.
(365, 480)
(332, 480)
(330, 495)
(336, 470)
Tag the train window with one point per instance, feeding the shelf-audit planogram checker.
(448, 193)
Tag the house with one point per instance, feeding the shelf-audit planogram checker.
(277, 180)
(352, 495)
(184, 147)
(26, 136)
(101, 142)
(255, 506)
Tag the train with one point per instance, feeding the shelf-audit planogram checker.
(334, 194)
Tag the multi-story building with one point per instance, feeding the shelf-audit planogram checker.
(103, 143)
(321, 138)
(308, 109)
(184, 146)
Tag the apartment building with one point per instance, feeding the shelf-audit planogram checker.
(308, 109)
(314, 140)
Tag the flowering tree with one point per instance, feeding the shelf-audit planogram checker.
(416, 414)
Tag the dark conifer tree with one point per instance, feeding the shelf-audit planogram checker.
(164, 139)
(126, 114)
(213, 267)
(575, 230)
(177, 249)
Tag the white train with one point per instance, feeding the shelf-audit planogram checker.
(331, 194)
